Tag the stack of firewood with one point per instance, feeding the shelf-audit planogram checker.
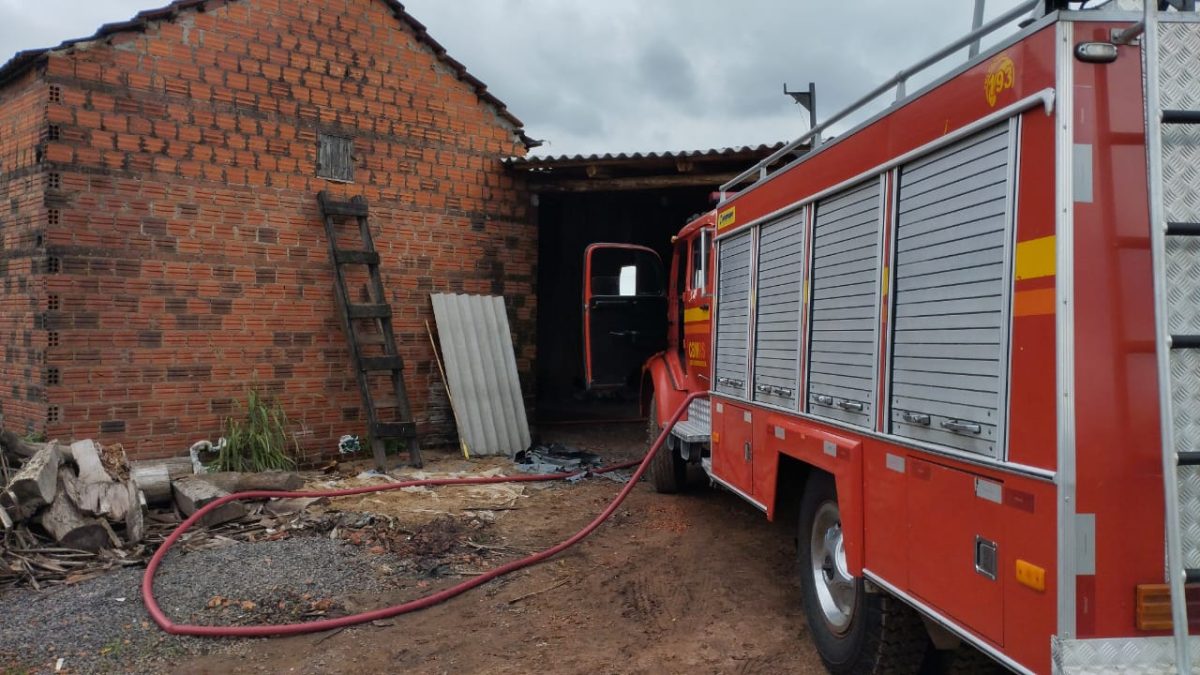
(70, 511)
(82, 494)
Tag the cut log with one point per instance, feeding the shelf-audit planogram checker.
(95, 491)
(111, 499)
(135, 519)
(114, 461)
(154, 480)
(86, 455)
(235, 481)
(35, 484)
(177, 467)
(193, 493)
(68, 525)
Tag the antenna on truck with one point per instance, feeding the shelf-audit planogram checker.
(808, 101)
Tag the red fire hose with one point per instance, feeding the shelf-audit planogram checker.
(413, 605)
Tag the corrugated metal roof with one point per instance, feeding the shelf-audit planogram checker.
(482, 372)
(711, 153)
(19, 63)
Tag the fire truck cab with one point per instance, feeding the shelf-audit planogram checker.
(970, 326)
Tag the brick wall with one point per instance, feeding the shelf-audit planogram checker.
(191, 261)
(22, 253)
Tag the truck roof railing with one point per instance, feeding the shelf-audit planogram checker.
(897, 81)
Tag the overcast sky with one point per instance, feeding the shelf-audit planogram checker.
(633, 75)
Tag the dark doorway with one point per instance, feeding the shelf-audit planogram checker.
(567, 224)
(641, 199)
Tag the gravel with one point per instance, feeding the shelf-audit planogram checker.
(100, 625)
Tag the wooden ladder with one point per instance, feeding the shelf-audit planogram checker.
(368, 328)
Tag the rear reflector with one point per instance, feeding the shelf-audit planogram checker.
(1153, 606)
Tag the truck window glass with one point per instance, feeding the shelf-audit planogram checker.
(625, 272)
(628, 280)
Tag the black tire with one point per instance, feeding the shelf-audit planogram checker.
(967, 660)
(882, 635)
(668, 471)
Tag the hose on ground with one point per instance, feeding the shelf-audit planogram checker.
(265, 630)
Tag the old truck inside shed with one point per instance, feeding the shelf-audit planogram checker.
(965, 332)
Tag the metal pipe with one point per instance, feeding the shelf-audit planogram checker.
(1130, 34)
(976, 23)
(898, 78)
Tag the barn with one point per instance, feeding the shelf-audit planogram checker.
(162, 247)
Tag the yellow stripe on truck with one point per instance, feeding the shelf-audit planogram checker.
(695, 314)
(1035, 258)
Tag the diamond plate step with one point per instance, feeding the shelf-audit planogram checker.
(697, 428)
(1117, 656)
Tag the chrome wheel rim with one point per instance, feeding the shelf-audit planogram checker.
(834, 584)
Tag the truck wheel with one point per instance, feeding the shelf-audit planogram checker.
(967, 660)
(856, 632)
(668, 471)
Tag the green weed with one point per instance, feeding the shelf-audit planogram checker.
(258, 441)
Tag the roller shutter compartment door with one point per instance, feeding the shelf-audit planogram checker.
(777, 322)
(733, 314)
(845, 280)
(950, 320)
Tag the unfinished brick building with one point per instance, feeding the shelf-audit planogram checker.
(162, 250)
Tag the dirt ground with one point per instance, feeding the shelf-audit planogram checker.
(695, 583)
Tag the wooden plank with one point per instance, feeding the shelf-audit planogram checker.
(393, 429)
(345, 257)
(330, 207)
(369, 311)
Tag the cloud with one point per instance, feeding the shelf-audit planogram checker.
(634, 75)
(664, 69)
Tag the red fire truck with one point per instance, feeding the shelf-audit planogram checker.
(966, 334)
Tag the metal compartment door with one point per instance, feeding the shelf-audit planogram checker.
(950, 329)
(845, 305)
(955, 545)
(733, 314)
(733, 456)
(781, 263)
